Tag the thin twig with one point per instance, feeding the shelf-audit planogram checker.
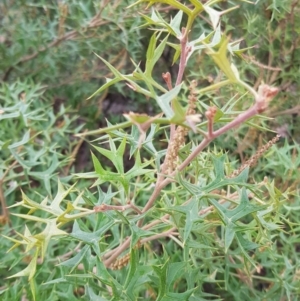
(118, 251)
(106, 207)
(94, 22)
(73, 155)
(5, 212)
(160, 235)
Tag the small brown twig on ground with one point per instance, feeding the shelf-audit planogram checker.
(73, 156)
(106, 207)
(254, 62)
(294, 110)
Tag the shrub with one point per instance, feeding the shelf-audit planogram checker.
(37, 144)
(170, 218)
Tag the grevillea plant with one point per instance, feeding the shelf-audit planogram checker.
(170, 218)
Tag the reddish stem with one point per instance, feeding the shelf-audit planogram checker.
(183, 56)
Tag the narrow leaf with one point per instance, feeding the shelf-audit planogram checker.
(164, 101)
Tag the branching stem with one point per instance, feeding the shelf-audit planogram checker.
(263, 96)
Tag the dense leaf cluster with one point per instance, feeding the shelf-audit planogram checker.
(136, 227)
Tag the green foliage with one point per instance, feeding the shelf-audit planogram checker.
(163, 216)
(33, 137)
(35, 147)
(52, 42)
